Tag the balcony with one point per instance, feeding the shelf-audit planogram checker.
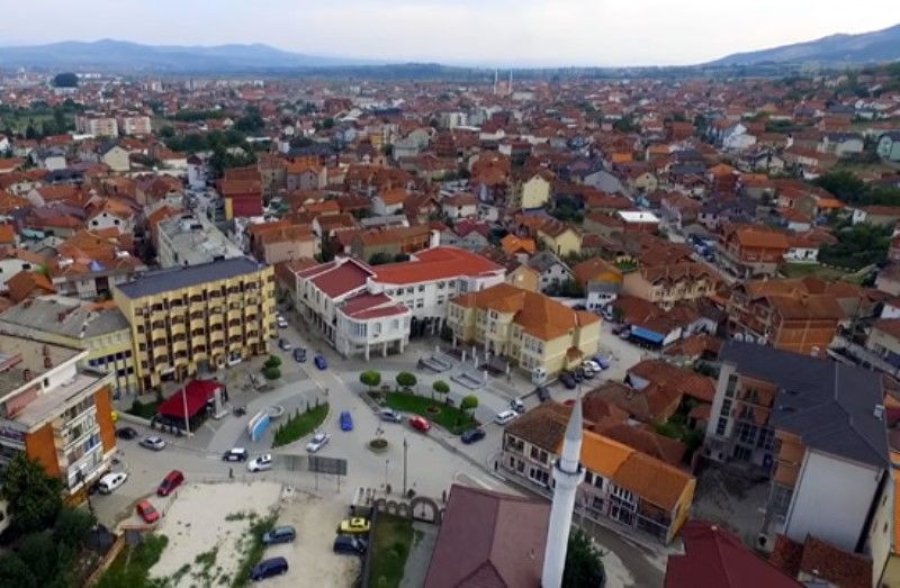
(217, 335)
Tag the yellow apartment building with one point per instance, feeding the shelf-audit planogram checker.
(200, 318)
(537, 333)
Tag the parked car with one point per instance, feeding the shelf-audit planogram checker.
(260, 464)
(356, 525)
(318, 441)
(285, 534)
(350, 545)
(267, 568)
(173, 480)
(110, 482)
(578, 374)
(602, 361)
(281, 322)
(346, 421)
(589, 374)
(420, 424)
(285, 345)
(154, 443)
(472, 436)
(390, 415)
(127, 433)
(506, 416)
(236, 454)
(299, 354)
(517, 405)
(542, 393)
(568, 380)
(321, 362)
(591, 365)
(147, 512)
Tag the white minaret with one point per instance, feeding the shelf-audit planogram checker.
(509, 85)
(496, 77)
(567, 474)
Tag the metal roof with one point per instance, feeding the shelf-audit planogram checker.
(156, 282)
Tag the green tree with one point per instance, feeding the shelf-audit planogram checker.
(14, 572)
(468, 403)
(34, 497)
(72, 527)
(65, 80)
(370, 378)
(441, 387)
(40, 551)
(584, 566)
(857, 247)
(273, 361)
(271, 373)
(406, 380)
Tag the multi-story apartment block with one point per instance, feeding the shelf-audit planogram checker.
(191, 239)
(621, 484)
(57, 413)
(100, 328)
(666, 285)
(536, 332)
(194, 319)
(749, 251)
(356, 305)
(96, 125)
(134, 124)
(815, 427)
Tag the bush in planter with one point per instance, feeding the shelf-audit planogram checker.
(370, 378)
(406, 380)
(271, 373)
(273, 361)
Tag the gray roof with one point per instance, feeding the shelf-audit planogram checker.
(61, 315)
(830, 405)
(165, 280)
(544, 260)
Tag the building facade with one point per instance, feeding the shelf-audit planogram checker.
(195, 319)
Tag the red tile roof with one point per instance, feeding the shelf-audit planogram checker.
(438, 263)
(337, 279)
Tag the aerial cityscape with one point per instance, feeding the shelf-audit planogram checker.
(394, 311)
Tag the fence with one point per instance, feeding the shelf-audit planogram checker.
(107, 561)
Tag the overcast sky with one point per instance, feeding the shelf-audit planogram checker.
(483, 32)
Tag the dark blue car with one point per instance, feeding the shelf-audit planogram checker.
(472, 435)
(346, 421)
(321, 362)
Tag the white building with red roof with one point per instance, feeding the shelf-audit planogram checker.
(361, 308)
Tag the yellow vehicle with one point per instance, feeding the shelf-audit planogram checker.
(354, 525)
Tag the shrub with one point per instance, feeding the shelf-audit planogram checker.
(271, 373)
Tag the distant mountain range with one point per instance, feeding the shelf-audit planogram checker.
(875, 47)
(126, 56)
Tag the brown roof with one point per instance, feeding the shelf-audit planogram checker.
(594, 268)
(489, 540)
(27, 283)
(822, 560)
(665, 449)
(652, 480)
(653, 404)
(678, 379)
(888, 326)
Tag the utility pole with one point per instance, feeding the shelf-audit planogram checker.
(405, 448)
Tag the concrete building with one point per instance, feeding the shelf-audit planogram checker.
(98, 328)
(191, 239)
(96, 125)
(189, 320)
(58, 414)
(666, 285)
(815, 428)
(134, 124)
(534, 331)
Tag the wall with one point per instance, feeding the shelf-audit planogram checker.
(104, 419)
(39, 446)
(535, 193)
(879, 544)
(843, 489)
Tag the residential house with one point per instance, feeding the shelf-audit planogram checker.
(621, 484)
(287, 243)
(531, 191)
(884, 339)
(666, 285)
(650, 373)
(539, 334)
(391, 241)
(888, 146)
(600, 280)
(305, 174)
(115, 157)
(749, 251)
(459, 206)
(13, 261)
(389, 202)
(877, 215)
(814, 562)
(841, 144)
(815, 428)
(638, 221)
(679, 210)
(558, 237)
(553, 273)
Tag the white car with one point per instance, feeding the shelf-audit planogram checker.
(154, 443)
(110, 482)
(592, 366)
(260, 464)
(318, 441)
(281, 322)
(505, 417)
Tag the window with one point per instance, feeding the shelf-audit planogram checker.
(726, 406)
(721, 426)
(421, 288)
(732, 384)
(420, 303)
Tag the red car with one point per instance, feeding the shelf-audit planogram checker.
(419, 423)
(173, 480)
(147, 511)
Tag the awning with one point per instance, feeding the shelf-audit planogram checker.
(193, 397)
(647, 335)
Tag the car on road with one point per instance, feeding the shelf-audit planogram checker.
(285, 345)
(318, 441)
(300, 355)
(285, 534)
(321, 362)
(346, 421)
(356, 525)
(267, 568)
(506, 416)
(472, 436)
(390, 415)
(420, 424)
(568, 380)
(236, 454)
(173, 480)
(126, 433)
(281, 322)
(147, 512)
(517, 405)
(350, 545)
(590, 364)
(261, 463)
(155, 443)
(602, 361)
(110, 482)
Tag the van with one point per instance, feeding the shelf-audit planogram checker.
(505, 417)
(269, 567)
(173, 480)
(110, 482)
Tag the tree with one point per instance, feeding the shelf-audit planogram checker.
(271, 373)
(584, 566)
(468, 403)
(65, 80)
(14, 572)
(273, 361)
(857, 247)
(72, 527)
(441, 387)
(34, 497)
(406, 380)
(43, 557)
(370, 378)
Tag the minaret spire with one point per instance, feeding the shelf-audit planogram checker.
(567, 475)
